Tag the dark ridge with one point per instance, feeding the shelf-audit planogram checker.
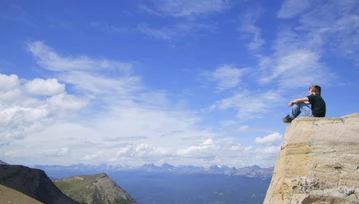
(33, 183)
(2, 162)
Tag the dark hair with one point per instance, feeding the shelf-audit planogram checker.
(317, 88)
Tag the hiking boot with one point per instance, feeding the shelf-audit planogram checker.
(287, 119)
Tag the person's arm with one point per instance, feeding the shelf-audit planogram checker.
(298, 100)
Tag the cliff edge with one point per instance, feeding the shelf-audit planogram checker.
(33, 183)
(318, 162)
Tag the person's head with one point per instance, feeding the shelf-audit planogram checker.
(315, 90)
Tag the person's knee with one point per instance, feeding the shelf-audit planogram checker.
(295, 105)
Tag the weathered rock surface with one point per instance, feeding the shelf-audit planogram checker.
(318, 162)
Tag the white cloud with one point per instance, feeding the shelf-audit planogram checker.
(56, 152)
(10, 95)
(17, 122)
(226, 77)
(47, 87)
(8, 82)
(127, 151)
(291, 8)
(214, 151)
(243, 128)
(184, 8)
(269, 139)
(208, 142)
(249, 104)
(265, 155)
(9, 88)
(96, 155)
(110, 116)
(22, 114)
(66, 102)
(147, 150)
(267, 151)
(206, 149)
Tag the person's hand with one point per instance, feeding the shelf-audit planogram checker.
(290, 103)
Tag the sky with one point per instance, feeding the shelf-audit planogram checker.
(184, 82)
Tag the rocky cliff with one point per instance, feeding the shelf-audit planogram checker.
(33, 183)
(318, 162)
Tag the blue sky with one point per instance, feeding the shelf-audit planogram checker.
(187, 82)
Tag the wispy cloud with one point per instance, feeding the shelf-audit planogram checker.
(302, 65)
(186, 28)
(323, 29)
(86, 74)
(42, 107)
(291, 8)
(104, 27)
(16, 13)
(249, 104)
(133, 129)
(251, 31)
(187, 18)
(336, 23)
(185, 8)
(329, 28)
(226, 76)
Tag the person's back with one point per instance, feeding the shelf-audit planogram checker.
(318, 105)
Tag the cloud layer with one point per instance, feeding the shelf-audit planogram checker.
(185, 82)
(113, 116)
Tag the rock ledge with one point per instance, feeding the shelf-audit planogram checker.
(318, 162)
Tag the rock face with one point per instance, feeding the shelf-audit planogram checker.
(93, 189)
(33, 183)
(318, 162)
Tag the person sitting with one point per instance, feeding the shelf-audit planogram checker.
(311, 106)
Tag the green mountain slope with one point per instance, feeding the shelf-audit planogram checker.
(96, 189)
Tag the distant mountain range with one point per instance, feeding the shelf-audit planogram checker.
(179, 184)
(150, 183)
(250, 171)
